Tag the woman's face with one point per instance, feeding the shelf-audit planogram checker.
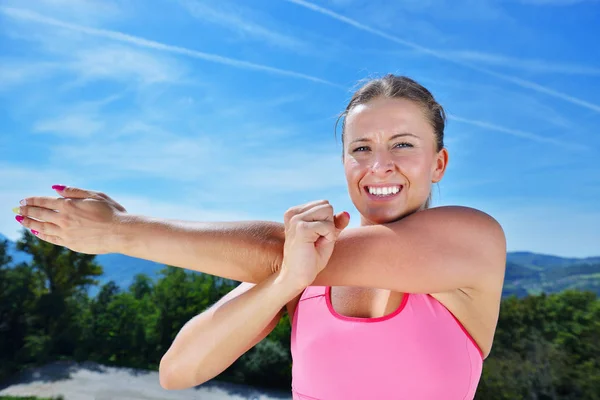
(390, 159)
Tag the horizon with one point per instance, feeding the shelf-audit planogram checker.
(194, 110)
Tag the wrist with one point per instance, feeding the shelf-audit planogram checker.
(123, 233)
(290, 281)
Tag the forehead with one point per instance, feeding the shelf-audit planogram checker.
(387, 116)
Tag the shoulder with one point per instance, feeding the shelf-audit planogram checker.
(468, 221)
(477, 238)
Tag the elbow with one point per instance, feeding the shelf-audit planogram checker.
(172, 378)
(166, 377)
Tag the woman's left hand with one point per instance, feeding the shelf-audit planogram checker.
(84, 221)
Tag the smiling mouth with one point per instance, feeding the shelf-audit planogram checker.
(383, 192)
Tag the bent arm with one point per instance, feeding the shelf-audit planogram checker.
(431, 251)
(210, 342)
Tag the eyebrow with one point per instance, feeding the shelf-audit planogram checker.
(397, 135)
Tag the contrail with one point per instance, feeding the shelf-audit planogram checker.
(516, 132)
(22, 14)
(125, 38)
(520, 82)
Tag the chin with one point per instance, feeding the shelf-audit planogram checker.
(379, 218)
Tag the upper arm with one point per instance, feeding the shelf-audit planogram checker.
(431, 251)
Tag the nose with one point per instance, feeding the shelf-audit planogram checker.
(382, 164)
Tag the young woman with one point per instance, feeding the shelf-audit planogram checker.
(403, 307)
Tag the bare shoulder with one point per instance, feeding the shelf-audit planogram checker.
(482, 233)
(465, 217)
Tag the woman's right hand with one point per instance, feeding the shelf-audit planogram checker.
(83, 221)
(311, 231)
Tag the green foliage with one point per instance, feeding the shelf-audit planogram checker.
(30, 398)
(546, 346)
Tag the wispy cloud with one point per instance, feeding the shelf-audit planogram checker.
(243, 21)
(15, 72)
(23, 14)
(557, 2)
(80, 126)
(434, 53)
(518, 133)
(85, 11)
(519, 63)
(125, 64)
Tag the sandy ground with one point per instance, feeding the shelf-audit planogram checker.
(90, 381)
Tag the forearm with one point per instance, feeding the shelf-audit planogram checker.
(245, 251)
(213, 340)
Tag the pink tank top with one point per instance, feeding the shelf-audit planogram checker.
(419, 352)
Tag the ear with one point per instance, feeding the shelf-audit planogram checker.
(439, 165)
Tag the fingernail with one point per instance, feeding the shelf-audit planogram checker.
(35, 232)
(23, 202)
(60, 188)
(347, 213)
(19, 219)
(16, 210)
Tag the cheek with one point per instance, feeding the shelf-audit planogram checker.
(353, 169)
(416, 165)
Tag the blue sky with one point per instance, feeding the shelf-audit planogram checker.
(225, 110)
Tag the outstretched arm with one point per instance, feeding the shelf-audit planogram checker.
(435, 250)
(245, 251)
(431, 251)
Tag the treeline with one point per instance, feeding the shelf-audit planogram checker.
(546, 347)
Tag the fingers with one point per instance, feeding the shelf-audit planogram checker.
(319, 210)
(341, 220)
(51, 203)
(311, 231)
(323, 212)
(46, 228)
(301, 208)
(76, 193)
(41, 214)
(50, 239)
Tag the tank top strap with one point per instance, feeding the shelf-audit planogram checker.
(313, 291)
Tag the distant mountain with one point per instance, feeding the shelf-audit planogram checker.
(526, 272)
(558, 275)
(544, 261)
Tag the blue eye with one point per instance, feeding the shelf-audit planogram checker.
(397, 145)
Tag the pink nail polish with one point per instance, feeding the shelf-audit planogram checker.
(60, 188)
(19, 219)
(23, 202)
(35, 232)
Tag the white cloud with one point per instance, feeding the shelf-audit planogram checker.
(15, 72)
(26, 15)
(125, 64)
(437, 54)
(504, 61)
(518, 133)
(92, 12)
(190, 211)
(556, 2)
(80, 126)
(244, 21)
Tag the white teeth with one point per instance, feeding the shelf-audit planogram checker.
(386, 191)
